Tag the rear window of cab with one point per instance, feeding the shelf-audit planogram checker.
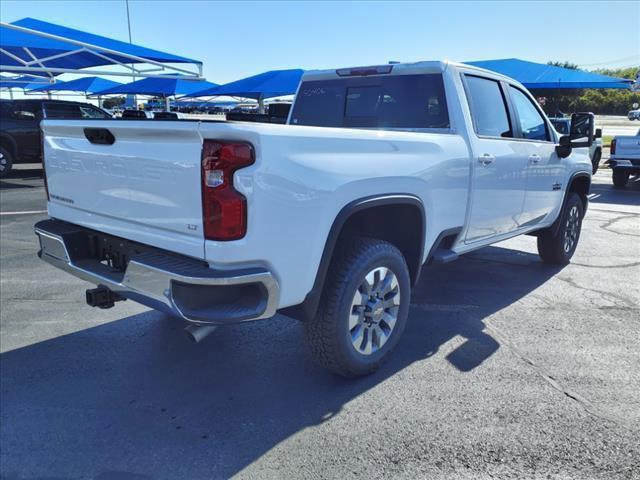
(394, 101)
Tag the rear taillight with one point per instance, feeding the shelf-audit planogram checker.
(613, 147)
(224, 209)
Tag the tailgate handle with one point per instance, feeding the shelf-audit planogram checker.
(100, 136)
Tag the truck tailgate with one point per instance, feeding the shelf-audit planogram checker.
(145, 186)
(628, 147)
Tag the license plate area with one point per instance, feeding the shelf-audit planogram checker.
(112, 252)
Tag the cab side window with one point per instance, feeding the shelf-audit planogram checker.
(532, 123)
(488, 107)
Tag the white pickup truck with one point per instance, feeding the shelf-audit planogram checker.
(624, 158)
(329, 218)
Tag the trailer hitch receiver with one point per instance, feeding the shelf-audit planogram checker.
(102, 297)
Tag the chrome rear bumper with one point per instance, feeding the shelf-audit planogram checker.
(178, 285)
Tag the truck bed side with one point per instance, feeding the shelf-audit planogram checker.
(146, 186)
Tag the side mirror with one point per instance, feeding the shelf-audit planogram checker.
(563, 149)
(582, 130)
(582, 133)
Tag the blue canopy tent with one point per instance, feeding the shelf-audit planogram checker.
(86, 85)
(159, 86)
(539, 75)
(264, 85)
(37, 47)
(22, 82)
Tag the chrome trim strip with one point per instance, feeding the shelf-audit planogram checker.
(152, 282)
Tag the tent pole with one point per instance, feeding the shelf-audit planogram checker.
(167, 104)
(261, 103)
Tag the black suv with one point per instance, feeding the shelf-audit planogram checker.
(20, 137)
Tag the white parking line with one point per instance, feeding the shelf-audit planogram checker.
(25, 212)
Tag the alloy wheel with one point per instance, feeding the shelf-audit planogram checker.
(374, 311)
(572, 229)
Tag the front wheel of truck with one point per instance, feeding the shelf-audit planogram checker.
(363, 310)
(559, 248)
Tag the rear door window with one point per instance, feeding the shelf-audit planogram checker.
(488, 107)
(395, 101)
(61, 110)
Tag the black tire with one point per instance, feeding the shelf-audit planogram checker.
(620, 178)
(331, 341)
(6, 162)
(559, 248)
(595, 161)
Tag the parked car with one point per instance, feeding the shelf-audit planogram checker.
(562, 125)
(634, 115)
(328, 219)
(135, 114)
(624, 158)
(20, 137)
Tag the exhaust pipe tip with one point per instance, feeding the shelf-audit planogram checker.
(197, 333)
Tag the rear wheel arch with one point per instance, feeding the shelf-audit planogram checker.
(395, 218)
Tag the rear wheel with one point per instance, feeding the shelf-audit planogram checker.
(620, 178)
(363, 310)
(595, 161)
(6, 162)
(559, 248)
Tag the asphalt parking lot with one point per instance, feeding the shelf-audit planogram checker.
(508, 369)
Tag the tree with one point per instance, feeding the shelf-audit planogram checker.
(565, 64)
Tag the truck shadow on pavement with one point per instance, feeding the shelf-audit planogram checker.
(24, 178)
(132, 399)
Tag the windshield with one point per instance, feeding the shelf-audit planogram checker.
(400, 101)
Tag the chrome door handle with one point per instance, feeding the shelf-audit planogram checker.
(535, 158)
(486, 159)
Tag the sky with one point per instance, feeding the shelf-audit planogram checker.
(238, 39)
